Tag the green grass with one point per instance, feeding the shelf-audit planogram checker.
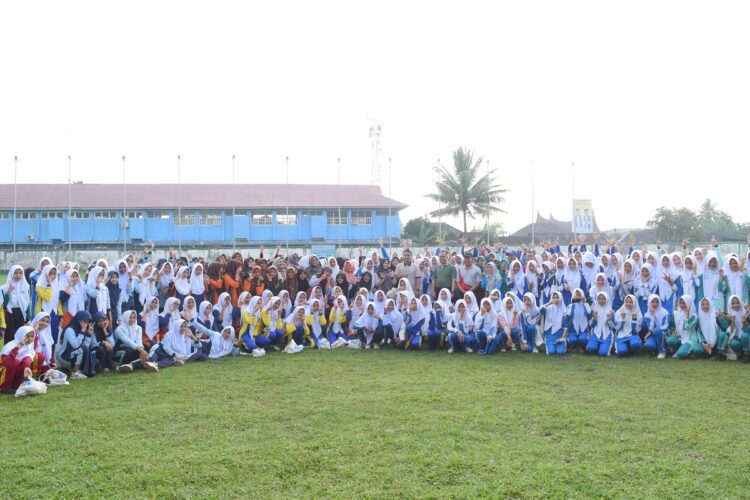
(388, 424)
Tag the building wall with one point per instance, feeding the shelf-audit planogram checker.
(108, 227)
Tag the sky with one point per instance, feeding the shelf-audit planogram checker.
(649, 99)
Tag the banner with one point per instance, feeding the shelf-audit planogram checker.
(583, 217)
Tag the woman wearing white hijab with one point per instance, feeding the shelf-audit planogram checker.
(316, 324)
(472, 306)
(668, 283)
(602, 326)
(530, 318)
(738, 327)
(369, 327)
(509, 325)
(576, 324)
(736, 279)
(97, 291)
(712, 280)
(177, 347)
(485, 324)
(572, 279)
(45, 344)
(182, 283)
(517, 279)
(337, 319)
(198, 283)
(687, 340)
(189, 309)
(393, 320)
(297, 331)
(165, 282)
(414, 320)
(16, 360)
(286, 303)
(224, 306)
(15, 297)
(444, 299)
(708, 327)
(589, 269)
(461, 336)
(271, 324)
(129, 344)
(644, 287)
(153, 325)
(145, 284)
(628, 321)
(656, 324)
(691, 280)
(553, 314)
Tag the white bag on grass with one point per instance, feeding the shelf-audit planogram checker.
(31, 386)
(54, 378)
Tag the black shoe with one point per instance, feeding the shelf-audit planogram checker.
(8, 391)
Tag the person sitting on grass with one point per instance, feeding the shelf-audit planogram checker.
(509, 325)
(128, 345)
(577, 321)
(316, 324)
(709, 327)
(461, 335)
(688, 341)
(103, 342)
(272, 325)
(297, 330)
(530, 317)
(628, 321)
(656, 327)
(16, 360)
(553, 314)
(486, 326)
(435, 329)
(178, 347)
(74, 347)
(414, 319)
(338, 320)
(218, 344)
(369, 327)
(152, 324)
(602, 326)
(737, 326)
(43, 344)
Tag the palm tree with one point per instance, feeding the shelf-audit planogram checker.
(465, 190)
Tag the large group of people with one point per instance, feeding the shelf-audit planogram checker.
(147, 314)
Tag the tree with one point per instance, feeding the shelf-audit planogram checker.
(714, 222)
(463, 190)
(420, 231)
(673, 224)
(496, 231)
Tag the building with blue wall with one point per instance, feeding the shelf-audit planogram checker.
(194, 214)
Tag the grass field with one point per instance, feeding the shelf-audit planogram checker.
(388, 424)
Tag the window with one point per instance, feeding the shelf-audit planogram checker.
(185, 220)
(25, 215)
(79, 214)
(361, 217)
(105, 214)
(385, 212)
(261, 218)
(157, 214)
(4, 215)
(239, 212)
(134, 214)
(333, 216)
(52, 215)
(287, 220)
(312, 213)
(210, 218)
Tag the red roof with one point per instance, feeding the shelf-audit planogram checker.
(109, 196)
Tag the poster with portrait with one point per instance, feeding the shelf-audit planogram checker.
(583, 217)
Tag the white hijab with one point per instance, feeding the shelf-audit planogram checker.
(317, 330)
(197, 283)
(26, 351)
(464, 318)
(554, 314)
(51, 305)
(474, 307)
(46, 342)
(181, 283)
(601, 329)
(151, 318)
(227, 319)
(707, 322)
(181, 344)
(20, 290)
(133, 332)
(77, 300)
(220, 346)
(445, 304)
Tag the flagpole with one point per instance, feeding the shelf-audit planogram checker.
(440, 215)
(15, 201)
(125, 218)
(234, 207)
(338, 166)
(533, 217)
(179, 204)
(287, 205)
(390, 195)
(70, 211)
(488, 213)
(573, 201)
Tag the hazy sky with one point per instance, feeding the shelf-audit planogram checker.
(650, 99)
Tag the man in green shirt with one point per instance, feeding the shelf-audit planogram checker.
(443, 276)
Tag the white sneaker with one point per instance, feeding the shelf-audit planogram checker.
(450, 351)
(337, 344)
(124, 369)
(80, 376)
(291, 347)
(502, 349)
(150, 366)
(354, 344)
(674, 356)
(258, 352)
(368, 346)
(535, 351)
(469, 350)
(299, 348)
(275, 347)
(388, 341)
(661, 356)
(376, 346)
